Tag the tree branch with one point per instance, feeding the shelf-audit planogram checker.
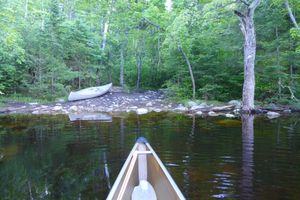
(244, 2)
(293, 97)
(254, 4)
(242, 20)
(292, 17)
(152, 23)
(238, 13)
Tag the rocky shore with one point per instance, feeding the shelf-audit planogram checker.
(139, 102)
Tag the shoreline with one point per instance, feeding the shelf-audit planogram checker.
(140, 103)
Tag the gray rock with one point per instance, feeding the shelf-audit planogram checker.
(36, 112)
(198, 113)
(60, 100)
(74, 108)
(204, 104)
(212, 114)
(157, 110)
(236, 111)
(57, 108)
(235, 103)
(272, 115)
(133, 107)
(33, 103)
(287, 111)
(229, 115)
(141, 111)
(180, 108)
(191, 103)
(197, 107)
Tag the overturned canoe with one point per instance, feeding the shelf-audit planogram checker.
(143, 176)
(89, 92)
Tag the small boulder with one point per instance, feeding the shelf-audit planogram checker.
(197, 107)
(191, 103)
(198, 113)
(157, 110)
(229, 115)
(36, 112)
(212, 114)
(57, 108)
(235, 103)
(180, 108)
(60, 100)
(272, 115)
(33, 103)
(236, 111)
(141, 111)
(74, 108)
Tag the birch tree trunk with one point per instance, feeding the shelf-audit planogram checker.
(139, 69)
(248, 30)
(291, 15)
(26, 9)
(122, 66)
(190, 70)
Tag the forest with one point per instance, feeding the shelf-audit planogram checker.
(189, 48)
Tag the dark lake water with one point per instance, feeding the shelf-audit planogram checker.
(49, 157)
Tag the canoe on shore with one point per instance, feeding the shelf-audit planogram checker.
(143, 176)
(90, 92)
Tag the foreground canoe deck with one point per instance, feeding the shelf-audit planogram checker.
(157, 175)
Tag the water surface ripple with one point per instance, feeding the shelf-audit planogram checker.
(49, 157)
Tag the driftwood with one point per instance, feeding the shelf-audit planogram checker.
(223, 108)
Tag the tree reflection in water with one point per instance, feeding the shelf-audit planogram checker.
(247, 159)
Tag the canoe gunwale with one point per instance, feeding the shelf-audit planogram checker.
(120, 176)
(131, 157)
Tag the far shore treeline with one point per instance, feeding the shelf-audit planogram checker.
(192, 48)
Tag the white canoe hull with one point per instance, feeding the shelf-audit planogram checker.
(89, 92)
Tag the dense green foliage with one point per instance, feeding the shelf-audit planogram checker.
(48, 48)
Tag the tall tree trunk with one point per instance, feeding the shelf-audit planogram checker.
(248, 30)
(79, 78)
(278, 61)
(104, 34)
(43, 17)
(139, 69)
(122, 66)
(292, 17)
(190, 70)
(26, 9)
